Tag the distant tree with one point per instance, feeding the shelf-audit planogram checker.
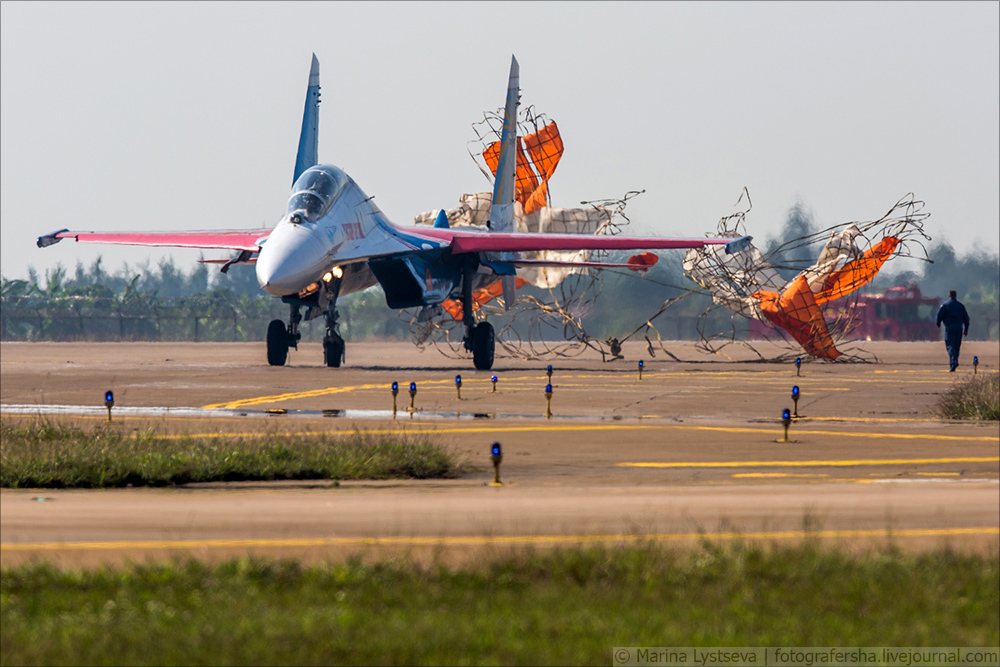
(798, 223)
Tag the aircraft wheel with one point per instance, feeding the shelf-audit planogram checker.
(333, 352)
(277, 343)
(483, 345)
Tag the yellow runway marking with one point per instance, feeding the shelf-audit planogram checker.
(778, 474)
(287, 397)
(454, 541)
(804, 464)
(938, 474)
(419, 429)
(512, 382)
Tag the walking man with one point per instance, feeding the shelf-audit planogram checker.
(955, 317)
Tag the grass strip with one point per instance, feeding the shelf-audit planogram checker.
(42, 454)
(977, 397)
(567, 606)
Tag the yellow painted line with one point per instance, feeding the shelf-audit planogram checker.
(722, 429)
(938, 474)
(453, 541)
(777, 474)
(287, 397)
(938, 420)
(804, 464)
(419, 429)
(509, 381)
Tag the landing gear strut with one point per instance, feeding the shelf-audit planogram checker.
(280, 338)
(333, 344)
(479, 338)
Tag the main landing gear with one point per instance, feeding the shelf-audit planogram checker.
(280, 338)
(479, 338)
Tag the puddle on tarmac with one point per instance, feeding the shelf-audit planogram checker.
(281, 412)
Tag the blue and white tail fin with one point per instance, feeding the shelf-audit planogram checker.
(502, 209)
(308, 154)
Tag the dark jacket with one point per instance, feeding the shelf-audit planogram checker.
(953, 314)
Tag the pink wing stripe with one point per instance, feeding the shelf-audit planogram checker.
(525, 242)
(222, 240)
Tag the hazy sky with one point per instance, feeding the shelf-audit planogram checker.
(180, 116)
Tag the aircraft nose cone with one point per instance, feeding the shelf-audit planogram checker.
(289, 261)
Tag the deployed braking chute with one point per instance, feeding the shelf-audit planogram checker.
(748, 283)
(538, 154)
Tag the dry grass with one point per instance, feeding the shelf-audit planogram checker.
(978, 397)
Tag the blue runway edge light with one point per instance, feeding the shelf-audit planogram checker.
(109, 396)
(786, 414)
(795, 390)
(413, 386)
(494, 378)
(458, 379)
(548, 389)
(495, 450)
(395, 386)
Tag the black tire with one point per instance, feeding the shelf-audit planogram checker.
(277, 343)
(483, 345)
(333, 352)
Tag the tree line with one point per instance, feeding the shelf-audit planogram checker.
(166, 303)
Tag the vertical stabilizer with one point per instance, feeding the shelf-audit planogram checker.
(502, 209)
(308, 154)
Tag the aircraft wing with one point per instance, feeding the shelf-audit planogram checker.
(232, 239)
(465, 242)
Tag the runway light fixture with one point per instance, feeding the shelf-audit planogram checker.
(109, 402)
(548, 372)
(786, 421)
(795, 401)
(975, 365)
(458, 386)
(640, 370)
(548, 400)
(798, 366)
(413, 394)
(395, 392)
(494, 381)
(496, 457)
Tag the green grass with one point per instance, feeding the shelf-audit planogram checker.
(978, 397)
(554, 607)
(44, 454)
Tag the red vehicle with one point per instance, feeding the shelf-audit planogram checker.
(901, 314)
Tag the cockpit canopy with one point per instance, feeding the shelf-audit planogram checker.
(315, 192)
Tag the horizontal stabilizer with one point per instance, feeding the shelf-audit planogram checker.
(589, 265)
(222, 260)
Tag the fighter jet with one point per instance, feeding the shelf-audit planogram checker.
(333, 240)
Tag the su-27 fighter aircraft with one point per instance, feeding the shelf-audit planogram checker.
(333, 240)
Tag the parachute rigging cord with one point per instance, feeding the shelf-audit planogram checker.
(817, 309)
(801, 303)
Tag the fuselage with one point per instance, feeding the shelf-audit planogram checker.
(329, 222)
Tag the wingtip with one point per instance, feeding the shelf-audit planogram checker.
(314, 71)
(514, 67)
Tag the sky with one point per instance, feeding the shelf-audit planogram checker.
(176, 116)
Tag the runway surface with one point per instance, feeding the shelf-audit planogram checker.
(692, 449)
